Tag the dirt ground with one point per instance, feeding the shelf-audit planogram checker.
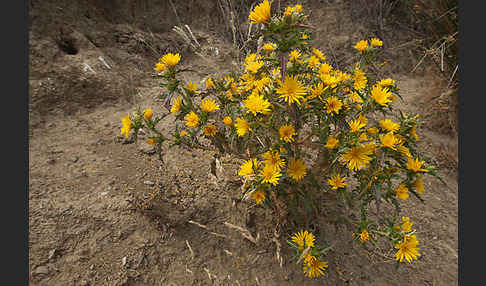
(90, 65)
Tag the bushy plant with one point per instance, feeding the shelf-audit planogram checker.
(303, 129)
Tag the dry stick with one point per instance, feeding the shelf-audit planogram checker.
(275, 239)
(419, 62)
(304, 253)
(206, 228)
(175, 12)
(244, 232)
(190, 249)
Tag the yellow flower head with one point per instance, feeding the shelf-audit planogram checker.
(381, 95)
(183, 133)
(272, 158)
(147, 113)
(360, 79)
(294, 55)
(386, 82)
(372, 130)
(248, 167)
(291, 90)
(316, 91)
(210, 130)
(313, 267)
(418, 184)
(357, 157)
(176, 106)
(389, 125)
(170, 59)
(303, 239)
(361, 45)
(286, 133)
(150, 141)
(364, 236)
(127, 125)
(389, 141)
(332, 142)
(242, 126)
(261, 13)
(313, 62)
(375, 42)
(407, 249)
(160, 67)
(228, 121)
(415, 165)
(254, 66)
(192, 119)
(209, 83)
(333, 105)
(413, 132)
(337, 182)
(325, 69)
(356, 125)
(297, 169)
(191, 87)
(270, 175)
(406, 224)
(402, 192)
(258, 196)
(319, 54)
(269, 47)
(256, 104)
(209, 105)
(405, 151)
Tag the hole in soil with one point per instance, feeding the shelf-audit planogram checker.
(67, 46)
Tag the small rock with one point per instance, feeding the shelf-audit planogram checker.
(41, 270)
(124, 261)
(149, 183)
(52, 254)
(75, 159)
(84, 283)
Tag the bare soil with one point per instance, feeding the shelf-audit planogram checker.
(106, 211)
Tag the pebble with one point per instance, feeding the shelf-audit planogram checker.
(149, 183)
(41, 270)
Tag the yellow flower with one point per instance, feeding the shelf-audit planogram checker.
(210, 130)
(372, 130)
(297, 169)
(248, 167)
(191, 87)
(303, 239)
(415, 165)
(294, 55)
(319, 54)
(406, 224)
(228, 121)
(356, 125)
(337, 182)
(209, 105)
(270, 175)
(357, 157)
(331, 142)
(313, 62)
(333, 104)
(253, 67)
(375, 42)
(413, 132)
(192, 119)
(170, 59)
(291, 90)
(209, 83)
(364, 236)
(183, 133)
(258, 196)
(360, 79)
(269, 47)
(147, 113)
(242, 126)
(418, 184)
(313, 267)
(389, 125)
(272, 158)
(316, 91)
(160, 67)
(407, 249)
(256, 103)
(176, 106)
(386, 82)
(150, 141)
(389, 141)
(261, 13)
(380, 95)
(286, 133)
(304, 36)
(229, 95)
(298, 8)
(127, 125)
(361, 45)
(404, 150)
(325, 69)
(402, 192)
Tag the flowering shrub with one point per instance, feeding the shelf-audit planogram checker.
(303, 128)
